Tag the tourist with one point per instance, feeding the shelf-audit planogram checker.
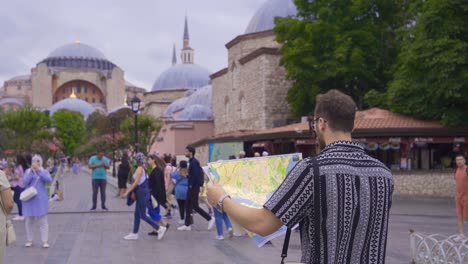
(341, 198)
(122, 174)
(142, 193)
(265, 153)
(36, 209)
(17, 184)
(169, 185)
(76, 166)
(461, 196)
(241, 154)
(99, 164)
(256, 154)
(181, 187)
(195, 181)
(221, 217)
(6, 204)
(157, 190)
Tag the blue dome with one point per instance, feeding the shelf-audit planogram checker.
(12, 101)
(194, 113)
(201, 96)
(78, 56)
(73, 104)
(182, 76)
(264, 18)
(175, 106)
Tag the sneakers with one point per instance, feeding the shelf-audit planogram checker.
(168, 215)
(105, 209)
(211, 223)
(28, 244)
(184, 228)
(181, 222)
(131, 236)
(45, 245)
(162, 230)
(459, 238)
(92, 209)
(219, 238)
(231, 232)
(18, 218)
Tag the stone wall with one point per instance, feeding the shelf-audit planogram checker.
(436, 184)
(156, 103)
(247, 46)
(41, 81)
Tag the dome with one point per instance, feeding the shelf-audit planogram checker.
(21, 78)
(175, 106)
(182, 76)
(195, 112)
(264, 18)
(78, 56)
(12, 101)
(73, 104)
(201, 96)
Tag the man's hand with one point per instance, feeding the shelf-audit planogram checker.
(214, 193)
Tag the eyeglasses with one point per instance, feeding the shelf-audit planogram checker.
(312, 122)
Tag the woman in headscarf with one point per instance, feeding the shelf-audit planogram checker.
(142, 192)
(37, 208)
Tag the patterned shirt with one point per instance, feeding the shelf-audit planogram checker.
(343, 211)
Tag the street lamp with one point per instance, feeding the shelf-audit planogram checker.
(135, 105)
(113, 124)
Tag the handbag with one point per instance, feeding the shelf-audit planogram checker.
(154, 202)
(29, 193)
(10, 230)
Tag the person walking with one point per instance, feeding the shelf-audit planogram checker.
(76, 165)
(122, 175)
(341, 198)
(36, 209)
(195, 181)
(142, 193)
(461, 196)
(6, 204)
(169, 185)
(17, 184)
(181, 188)
(156, 185)
(99, 164)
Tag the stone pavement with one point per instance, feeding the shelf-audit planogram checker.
(78, 236)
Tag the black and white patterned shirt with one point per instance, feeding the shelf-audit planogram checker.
(343, 213)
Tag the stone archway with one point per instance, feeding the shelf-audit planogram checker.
(84, 90)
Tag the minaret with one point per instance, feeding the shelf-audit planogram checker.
(187, 52)
(174, 57)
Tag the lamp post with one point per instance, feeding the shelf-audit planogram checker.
(135, 105)
(113, 123)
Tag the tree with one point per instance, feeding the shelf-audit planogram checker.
(148, 128)
(70, 129)
(348, 45)
(431, 78)
(19, 128)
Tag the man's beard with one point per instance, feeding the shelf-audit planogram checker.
(321, 142)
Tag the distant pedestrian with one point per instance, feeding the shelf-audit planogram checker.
(169, 185)
(142, 194)
(221, 217)
(461, 197)
(99, 164)
(17, 184)
(6, 204)
(36, 209)
(195, 182)
(76, 166)
(122, 175)
(181, 188)
(241, 154)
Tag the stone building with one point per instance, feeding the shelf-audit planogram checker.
(250, 93)
(177, 81)
(73, 67)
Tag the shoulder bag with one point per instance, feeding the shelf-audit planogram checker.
(30, 192)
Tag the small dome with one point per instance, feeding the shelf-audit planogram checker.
(78, 56)
(201, 96)
(182, 76)
(264, 18)
(11, 101)
(195, 112)
(118, 109)
(175, 106)
(73, 104)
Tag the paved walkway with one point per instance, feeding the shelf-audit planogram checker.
(78, 236)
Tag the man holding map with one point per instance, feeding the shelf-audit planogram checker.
(341, 198)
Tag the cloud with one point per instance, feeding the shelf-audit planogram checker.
(136, 35)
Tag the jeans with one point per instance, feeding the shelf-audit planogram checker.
(99, 184)
(18, 190)
(219, 217)
(192, 204)
(142, 198)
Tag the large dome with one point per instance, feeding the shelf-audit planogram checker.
(73, 104)
(78, 55)
(264, 18)
(182, 76)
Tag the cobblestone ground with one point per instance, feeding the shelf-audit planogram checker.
(78, 236)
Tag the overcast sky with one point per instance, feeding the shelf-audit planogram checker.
(136, 35)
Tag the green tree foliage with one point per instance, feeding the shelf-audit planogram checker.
(348, 45)
(148, 128)
(431, 78)
(19, 128)
(70, 129)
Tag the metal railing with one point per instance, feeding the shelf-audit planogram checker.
(437, 248)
